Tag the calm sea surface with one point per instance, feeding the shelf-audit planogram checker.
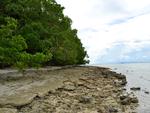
(138, 75)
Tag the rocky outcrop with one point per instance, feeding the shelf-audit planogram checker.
(65, 90)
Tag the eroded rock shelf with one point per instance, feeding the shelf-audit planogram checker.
(65, 90)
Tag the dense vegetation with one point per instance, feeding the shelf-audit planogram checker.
(35, 33)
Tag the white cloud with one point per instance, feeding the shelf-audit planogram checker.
(102, 23)
(136, 5)
(122, 52)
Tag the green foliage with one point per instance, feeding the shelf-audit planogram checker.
(13, 48)
(35, 33)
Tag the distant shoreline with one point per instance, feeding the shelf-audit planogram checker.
(98, 64)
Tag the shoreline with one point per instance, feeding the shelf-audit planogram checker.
(74, 89)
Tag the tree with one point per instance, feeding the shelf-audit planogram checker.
(13, 48)
(36, 32)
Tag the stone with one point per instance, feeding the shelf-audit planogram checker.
(120, 76)
(85, 99)
(120, 82)
(17, 99)
(124, 82)
(88, 111)
(69, 87)
(26, 94)
(113, 110)
(115, 68)
(80, 83)
(8, 110)
(126, 101)
(122, 97)
(135, 88)
(134, 100)
(146, 92)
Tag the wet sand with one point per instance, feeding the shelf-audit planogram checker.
(65, 90)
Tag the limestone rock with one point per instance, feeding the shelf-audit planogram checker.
(69, 87)
(127, 99)
(8, 110)
(85, 99)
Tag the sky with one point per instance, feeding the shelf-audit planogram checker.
(112, 31)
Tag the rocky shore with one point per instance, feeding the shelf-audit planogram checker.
(65, 90)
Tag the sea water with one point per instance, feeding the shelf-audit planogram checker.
(138, 75)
